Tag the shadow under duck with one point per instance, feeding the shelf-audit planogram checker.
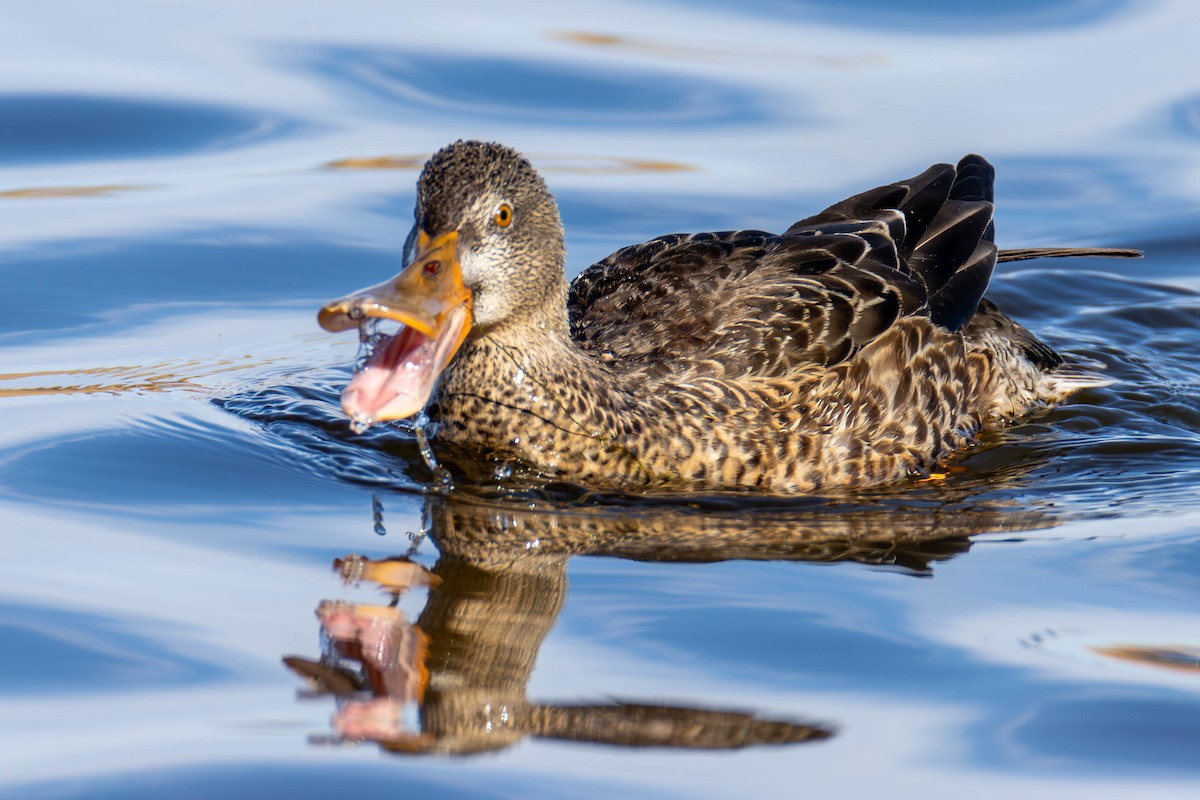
(852, 350)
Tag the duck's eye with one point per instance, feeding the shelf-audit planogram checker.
(504, 215)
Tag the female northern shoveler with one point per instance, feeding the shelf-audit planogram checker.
(851, 350)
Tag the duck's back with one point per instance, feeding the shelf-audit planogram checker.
(755, 304)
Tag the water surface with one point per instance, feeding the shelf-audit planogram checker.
(183, 187)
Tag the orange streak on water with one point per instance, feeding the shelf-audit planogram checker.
(148, 378)
(581, 165)
(43, 192)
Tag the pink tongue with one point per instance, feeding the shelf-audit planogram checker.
(396, 382)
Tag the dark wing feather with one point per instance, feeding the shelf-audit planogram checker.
(752, 303)
(958, 299)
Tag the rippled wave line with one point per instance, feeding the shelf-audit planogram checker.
(162, 377)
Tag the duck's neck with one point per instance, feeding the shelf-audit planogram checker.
(535, 348)
(522, 384)
(539, 326)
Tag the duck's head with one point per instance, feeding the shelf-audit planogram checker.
(486, 250)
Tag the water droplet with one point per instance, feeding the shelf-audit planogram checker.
(369, 339)
(519, 378)
(505, 522)
(423, 428)
(377, 514)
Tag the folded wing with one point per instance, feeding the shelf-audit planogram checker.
(753, 303)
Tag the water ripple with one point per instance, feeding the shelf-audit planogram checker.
(930, 16)
(59, 128)
(301, 420)
(1133, 447)
(535, 91)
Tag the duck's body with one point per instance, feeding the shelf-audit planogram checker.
(853, 350)
(912, 396)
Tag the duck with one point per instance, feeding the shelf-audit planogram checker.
(855, 349)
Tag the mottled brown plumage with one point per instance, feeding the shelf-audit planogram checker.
(852, 350)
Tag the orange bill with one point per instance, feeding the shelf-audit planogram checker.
(433, 307)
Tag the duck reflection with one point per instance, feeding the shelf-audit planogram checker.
(498, 587)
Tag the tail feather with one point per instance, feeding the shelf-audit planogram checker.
(1027, 253)
(1070, 377)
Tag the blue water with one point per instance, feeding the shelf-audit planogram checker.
(183, 185)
